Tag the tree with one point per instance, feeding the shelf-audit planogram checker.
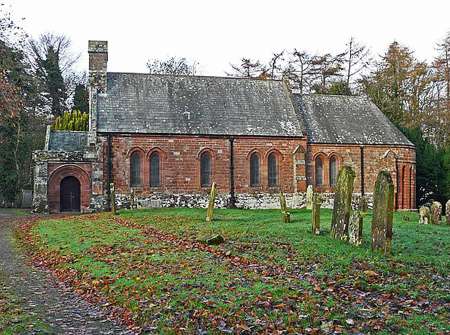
(325, 68)
(248, 68)
(274, 64)
(80, 99)
(21, 126)
(52, 62)
(338, 87)
(173, 66)
(74, 120)
(399, 85)
(299, 70)
(356, 60)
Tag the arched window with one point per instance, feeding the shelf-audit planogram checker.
(319, 172)
(254, 169)
(333, 171)
(205, 169)
(154, 170)
(135, 169)
(272, 172)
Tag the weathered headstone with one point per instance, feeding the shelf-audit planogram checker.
(309, 197)
(424, 215)
(284, 210)
(383, 213)
(112, 198)
(212, 200)
(315, 215)
(447, 211)
(355, 229)
(342, 203)
(133, 203)
(436, 211)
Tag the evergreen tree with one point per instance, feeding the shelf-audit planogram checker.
(81, 98)
(73, 120)
(55, 82)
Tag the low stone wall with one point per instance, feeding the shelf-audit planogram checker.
(245, 201)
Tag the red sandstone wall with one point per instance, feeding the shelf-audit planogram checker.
(400, 161)
(180, 164)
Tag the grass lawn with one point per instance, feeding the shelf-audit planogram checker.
(15, 211)
(13, 319)
(268, 276)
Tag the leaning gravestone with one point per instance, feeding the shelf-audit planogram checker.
(383, 213)
(284, 210)
(342, 203)
(315, 215)
(436, 211)
(309, 197)
(424, 215)
(212, 200)
(447, 211)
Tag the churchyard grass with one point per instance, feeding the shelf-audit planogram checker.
(267, 276)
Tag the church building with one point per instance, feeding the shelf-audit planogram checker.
(162, 140)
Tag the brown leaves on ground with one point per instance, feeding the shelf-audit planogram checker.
(308, 304)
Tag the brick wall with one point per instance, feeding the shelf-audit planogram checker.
(180, 162)
(399, 161)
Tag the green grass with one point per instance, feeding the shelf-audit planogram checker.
(151, 265)
(13, 319)
(15, 211)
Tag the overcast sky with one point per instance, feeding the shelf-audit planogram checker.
(217, 33)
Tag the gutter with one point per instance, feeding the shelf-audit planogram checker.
(109, 168)
(232, 203)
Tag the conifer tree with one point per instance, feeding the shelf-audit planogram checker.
(80, 98)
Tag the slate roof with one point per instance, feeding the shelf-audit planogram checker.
(67, 140)
(347, 120)
(197, 105)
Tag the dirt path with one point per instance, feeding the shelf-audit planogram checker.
(62, 310)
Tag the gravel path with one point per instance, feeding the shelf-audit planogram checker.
(43, 296)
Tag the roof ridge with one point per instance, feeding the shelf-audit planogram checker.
(196, 76)
(332, 95)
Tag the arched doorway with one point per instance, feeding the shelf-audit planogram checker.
(70, 195)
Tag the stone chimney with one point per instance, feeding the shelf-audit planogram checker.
(98, 60)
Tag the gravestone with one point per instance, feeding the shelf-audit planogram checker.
(27, 199)
(211, 201)
(424, 215)
(309, 197)
(342, 203)
(447, 211)
(315, 215)
(355, 229)
(436, 211)
(383, 213)
(133, 203)
(284, 210)
(112, 198)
